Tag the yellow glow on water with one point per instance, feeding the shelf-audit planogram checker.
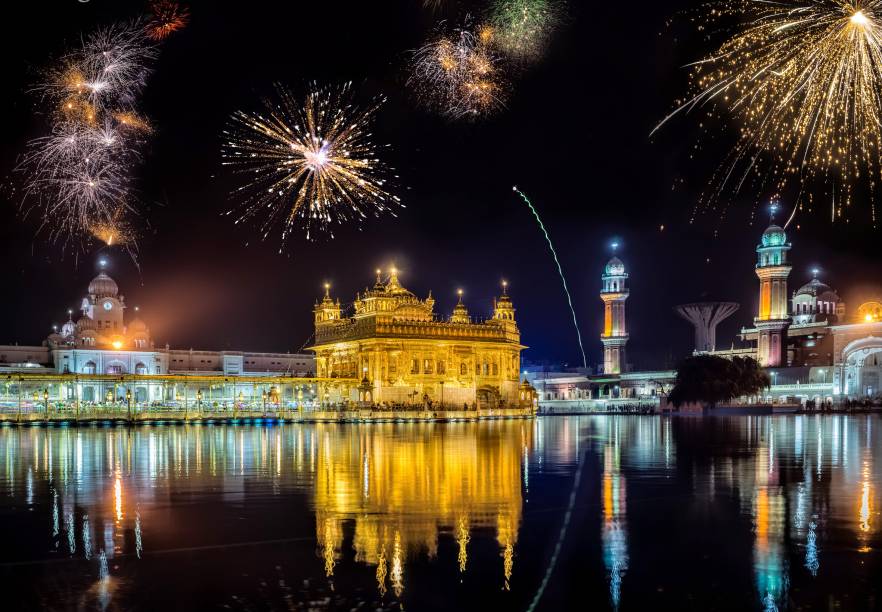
(117, 497)
(402, 493)
(462, 541)
(866, 491)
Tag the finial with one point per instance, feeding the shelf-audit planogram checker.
(137, 309)
(54, 327)
(459, 293)
(328, 290)
(393, 275)
(773, 208)
(815, 272)
(614, 245)
(379, 276)
(504, 287)
(70, 314)
(102, 263)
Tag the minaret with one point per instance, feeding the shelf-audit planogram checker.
(773, 318)
(615, 332)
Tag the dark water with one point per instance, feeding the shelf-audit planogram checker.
(727, 514)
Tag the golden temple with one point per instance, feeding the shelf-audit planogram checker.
(406, 354)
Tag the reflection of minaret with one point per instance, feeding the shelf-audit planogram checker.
(614, 534)
(615, 333)
(769, 519)
(772, 319)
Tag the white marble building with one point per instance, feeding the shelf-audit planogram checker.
(103, 340)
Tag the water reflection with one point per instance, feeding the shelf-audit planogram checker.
(402, 492)
(448, 515)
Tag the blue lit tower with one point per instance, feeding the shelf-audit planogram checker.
(773, 318)
(615, 333)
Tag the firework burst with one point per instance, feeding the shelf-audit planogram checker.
(309, 163)
(802, 80)
(108, 71)
(521, 28)
(167, 17)
(80, 175)
(458, 75)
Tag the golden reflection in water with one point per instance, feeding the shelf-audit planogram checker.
(381, 573)
(401, 491)
(866, 504)
(117, 497)
(462, 542)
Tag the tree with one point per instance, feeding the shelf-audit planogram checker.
(710, 379)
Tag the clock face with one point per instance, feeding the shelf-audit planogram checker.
(108, 305)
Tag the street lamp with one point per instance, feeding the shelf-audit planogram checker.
(442, 394)
(199, 400)
(129, 402)
(46, 401)
(263, 396)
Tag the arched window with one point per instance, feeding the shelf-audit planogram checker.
(463, 368)
(140, 368)
(89, 367)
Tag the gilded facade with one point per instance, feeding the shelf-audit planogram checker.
(406, 354)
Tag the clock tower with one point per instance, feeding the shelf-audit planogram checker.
(104, 305)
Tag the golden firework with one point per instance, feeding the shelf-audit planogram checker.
(311, 163)
(114, 230)
(458, 74)
(802, 81)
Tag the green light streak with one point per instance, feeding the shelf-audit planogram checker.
(559, 270)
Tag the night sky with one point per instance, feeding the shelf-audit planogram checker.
(574, 136)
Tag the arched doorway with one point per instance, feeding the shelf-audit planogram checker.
(488, 398)
(862, 368)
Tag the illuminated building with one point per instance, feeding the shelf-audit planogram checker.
(814, 350)
(615, 331)
(771, 322)
(404, 353)
(104, 341)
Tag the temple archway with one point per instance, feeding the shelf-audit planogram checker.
(862, 368)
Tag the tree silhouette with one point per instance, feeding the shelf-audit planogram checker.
(709, 379)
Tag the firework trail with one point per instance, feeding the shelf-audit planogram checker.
(801, 80)
(563, 280)
(309, 163)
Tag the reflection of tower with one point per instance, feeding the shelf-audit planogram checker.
(772, 319)
(614, 535)
(615, 333)
(705, 316)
